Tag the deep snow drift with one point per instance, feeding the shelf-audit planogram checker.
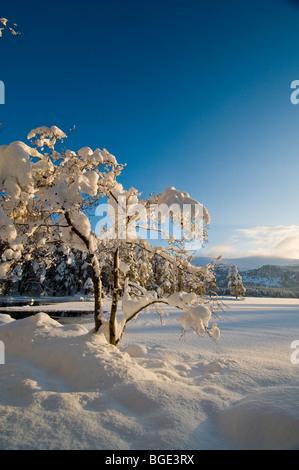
(63, 387)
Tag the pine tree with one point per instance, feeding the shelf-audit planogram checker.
(235, 283)
(129, 256)
(164, 276)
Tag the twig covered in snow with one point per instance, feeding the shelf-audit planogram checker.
(6, 26)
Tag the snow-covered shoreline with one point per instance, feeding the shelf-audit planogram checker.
(63, 387)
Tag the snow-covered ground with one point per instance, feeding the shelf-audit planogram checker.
(63, 387)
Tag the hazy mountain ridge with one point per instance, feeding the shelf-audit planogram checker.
(272, 276)
(248, 263)
(277, 277)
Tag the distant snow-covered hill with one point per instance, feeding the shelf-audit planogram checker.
(277, 277)
(250, 262)
(273, 276)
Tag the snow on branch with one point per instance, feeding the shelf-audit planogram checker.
(6, 25)
(183, 211)
(181, 264)
(48, 136)
(196, 316)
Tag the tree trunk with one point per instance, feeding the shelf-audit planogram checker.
(96, 273)
(97, 302)
(115, 295)
(97, 285)
(180, 281)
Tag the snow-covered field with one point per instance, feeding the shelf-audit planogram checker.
(63, 387)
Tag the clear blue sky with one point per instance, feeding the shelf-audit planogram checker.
(189, 93)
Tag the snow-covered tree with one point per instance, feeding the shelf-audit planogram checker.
(235, 283)
(88, 286)
(179, 208)
(45, 196)
(55, 270)
(165, 278)
(128, 258)
(65, 272)
(138, 266)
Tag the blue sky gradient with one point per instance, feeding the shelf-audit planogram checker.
(189, 93)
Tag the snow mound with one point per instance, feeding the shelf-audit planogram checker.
(4, 319)
(71, 389)
(264, 420)
(71, 352)
(135, 350)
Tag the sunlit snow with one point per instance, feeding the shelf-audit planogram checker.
(63, 387)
